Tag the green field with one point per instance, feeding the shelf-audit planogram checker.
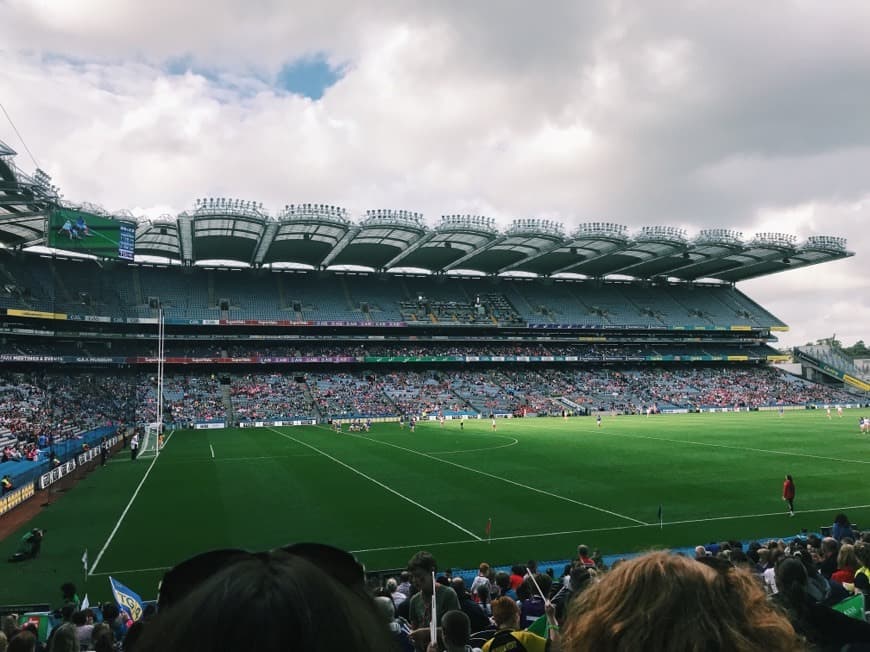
(547, 484)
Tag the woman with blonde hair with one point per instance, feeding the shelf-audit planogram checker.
(661, 601)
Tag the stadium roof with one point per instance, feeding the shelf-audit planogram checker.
(320, 236)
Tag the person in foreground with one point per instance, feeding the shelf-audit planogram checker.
(309, 597)
(661, 601)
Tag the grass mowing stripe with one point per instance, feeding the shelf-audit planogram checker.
(126, 509)
(513, 482)
(379, 483)
(742, 448)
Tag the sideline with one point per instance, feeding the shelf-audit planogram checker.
(126, 509)
(542, 535)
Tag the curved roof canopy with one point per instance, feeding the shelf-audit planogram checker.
(320, 236)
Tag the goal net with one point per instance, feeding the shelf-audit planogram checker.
(148, 447)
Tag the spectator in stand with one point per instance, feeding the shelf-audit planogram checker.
(64, 639)
(823, 627)
(476, 615)
(392, 588)
(506, 615)
(842, 528)
(583, 556)
(862, 574)
(847, 564)
(297, 598)
(661, 601)
(829, 549)
(579, 578)
(6, 483)
(533, 606)
(503, 584)
(455, 633)
(23, 642)
(421, 566)
(481, 579)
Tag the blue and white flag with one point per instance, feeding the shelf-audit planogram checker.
(127, 600)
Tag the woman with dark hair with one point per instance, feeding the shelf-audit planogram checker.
(661, 601)
(823, 627)
(268, 602)
(842, 528)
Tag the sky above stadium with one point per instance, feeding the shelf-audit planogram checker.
(745, 115)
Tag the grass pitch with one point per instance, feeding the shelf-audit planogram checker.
(547, 485)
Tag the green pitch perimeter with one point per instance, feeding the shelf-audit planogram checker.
(547, 484)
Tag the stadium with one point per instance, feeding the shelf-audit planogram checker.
(385, 385)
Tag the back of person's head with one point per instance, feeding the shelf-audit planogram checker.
(110, 612)
(862, 552)
(544, 582)
(68, 590)
(102, 638)
(422, 561)
(391, 585)
(483, 593)
(582, 551)
(10, 626)
(661, 601)
(829, 546)
(79, 618)
(503, 581)
(792, 582)
(385, 608)
(64, 639)
(456, 630)
(505, 612)
(841, 520)
(458, 585)
(579, 577)
(268, 603)
(23, 642)
(484, 569)
(846, 557)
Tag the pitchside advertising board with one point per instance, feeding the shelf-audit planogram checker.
(75, 230)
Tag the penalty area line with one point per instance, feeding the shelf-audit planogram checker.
(380, 484)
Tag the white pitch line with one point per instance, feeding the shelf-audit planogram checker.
(380, 484)
(211, 448)
(741, 448)
(126, 509)
(423, 546)
(513, 482)
(513, 442)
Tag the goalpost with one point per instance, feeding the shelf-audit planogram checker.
(152, 439)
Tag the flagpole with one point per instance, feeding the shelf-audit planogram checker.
(433, 623)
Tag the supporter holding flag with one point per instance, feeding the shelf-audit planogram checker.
(128, 601)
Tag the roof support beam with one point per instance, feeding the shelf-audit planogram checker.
(339, 247)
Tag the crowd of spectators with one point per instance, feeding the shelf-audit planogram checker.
(778, 595)
(320, 348)
(259, 397)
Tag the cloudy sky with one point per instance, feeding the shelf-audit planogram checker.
(746, 115)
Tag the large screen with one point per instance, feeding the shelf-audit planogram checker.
(76, 230)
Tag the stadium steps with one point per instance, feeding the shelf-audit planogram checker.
(211, 301)
(346, 291)
(137, 288)
(59, 284)
(585, 306)
(309, 398)
(226, 395)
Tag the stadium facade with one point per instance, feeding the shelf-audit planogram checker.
(336, 304)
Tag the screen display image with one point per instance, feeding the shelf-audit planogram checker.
(75, 230)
